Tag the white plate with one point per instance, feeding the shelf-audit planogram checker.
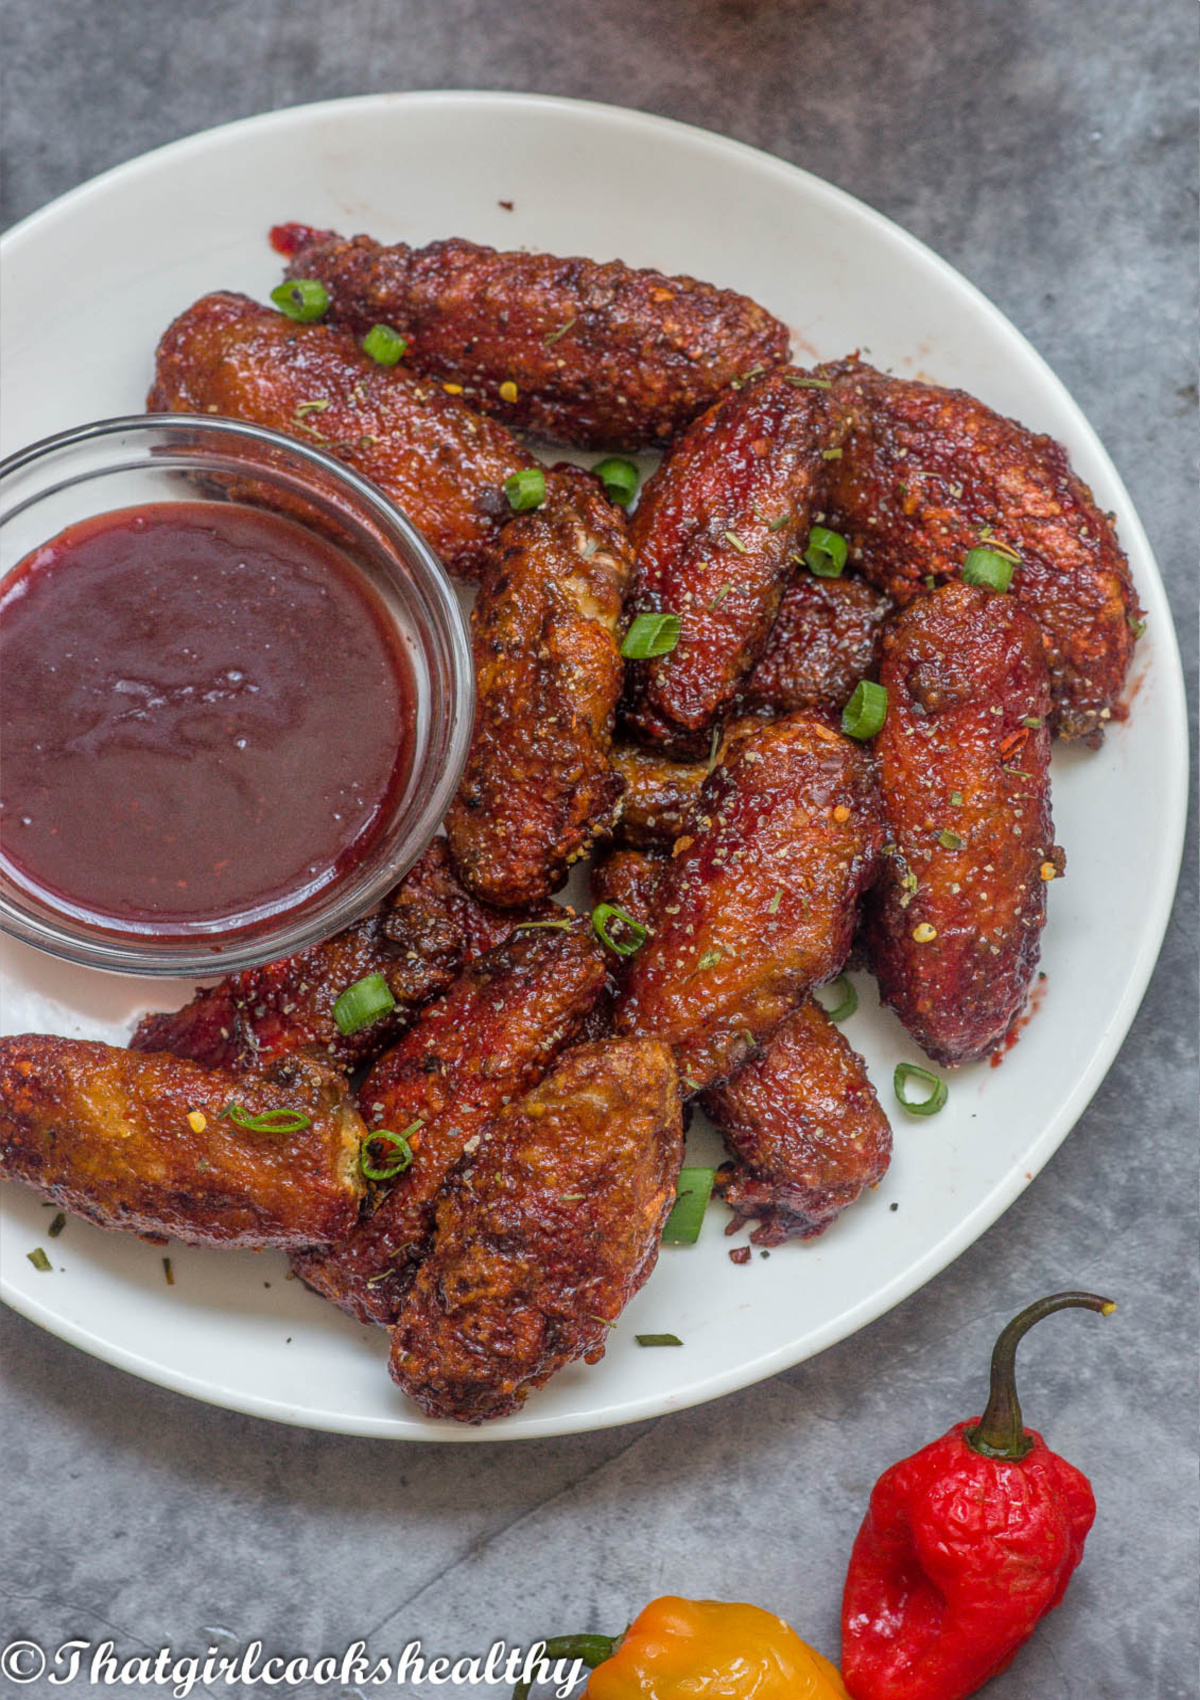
(89, 284)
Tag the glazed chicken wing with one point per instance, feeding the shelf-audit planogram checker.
(490, 1038)
(599, 356)
(539, 782)
(928, 474)
(759, 901)
(418, 939)
(825, 639)
(805, 1128)
(157, 1145)
(438, 461)
(546, 1235)
(717, 534)
(953, 928)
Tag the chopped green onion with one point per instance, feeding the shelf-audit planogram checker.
(168, 1272)
(40, 1261)
(826, 553)
(385, 346)
(658, 1340)
(866, 711)
(56, 1227)
(810, 383)
(619, 478)
(847, 1000)
(363, 1002)
(732, 538)
(650, 634)
(301, 298)
(956, 799)
(986, 567)
(950, 840)
(528, 926)
(399, 1141)
(936, 1090)
(526, 489)
(268, 1121)
(691, 1201)
(603, 913)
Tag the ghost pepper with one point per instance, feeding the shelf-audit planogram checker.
(965, 1546)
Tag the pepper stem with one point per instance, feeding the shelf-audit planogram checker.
(1000, 1432)
(592, 1649)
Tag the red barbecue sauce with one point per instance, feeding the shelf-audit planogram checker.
(207, 717)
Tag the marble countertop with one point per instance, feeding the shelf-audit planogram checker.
(1047, 150)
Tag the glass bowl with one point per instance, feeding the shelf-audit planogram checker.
(157, 458)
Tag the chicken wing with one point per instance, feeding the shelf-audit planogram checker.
(539, 782)
(419, 938)
(825, 639)
(599, 356)
(543, 1239)
(953, 928)
(805, 1128)
(717, 534)
(444, 465)
(490, 1038)
(158, 1145)
(760, 898)
(928, 474)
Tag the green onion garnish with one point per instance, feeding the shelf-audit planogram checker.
(956, 799)
(302, 298)
(603, 914)
(56, 1227)
(986, 567)
(826, 552)
(526, 489)
(866, 711)
(528, 926)
(168, 1272)
(399, 1141)
(658, 1340)
(650, 634)
(267, 1121)
(691, 1201)
(847, 1000)
(950, 840)
(363, 1002)
(619, 478)
(385, 346)
(936, 1090)
(40, 1261)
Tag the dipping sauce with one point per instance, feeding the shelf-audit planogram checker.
(207, 716)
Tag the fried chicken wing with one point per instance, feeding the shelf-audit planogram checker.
(928, 474)
(491, 1037)
(825, 639)
(149, 1143)
(953, 928)
(716, 535)
(805, 1128)
(539, 782)
(628, 878)
(760, 898)
(444, 465)
(599, 356)
(660, 793)
(418, 939)
(546, 1235)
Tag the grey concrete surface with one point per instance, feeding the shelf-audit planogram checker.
(1048, 149)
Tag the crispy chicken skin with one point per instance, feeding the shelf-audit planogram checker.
(716, 533)
(490, 1038)
(660, 792)
(546, 1235)
(105, 1133)
(599, 356)
(418, 939)
(925, 472)
(953, 928)
(825, 639)
(760, 898)
(444, 465)
(629, 879)
(805, 1127)
(539, 782)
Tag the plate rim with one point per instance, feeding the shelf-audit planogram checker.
(966, 1230)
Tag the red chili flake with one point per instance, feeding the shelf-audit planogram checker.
(1013, 741)
(740, 1254)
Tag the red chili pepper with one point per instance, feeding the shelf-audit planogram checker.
(965, 1546)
